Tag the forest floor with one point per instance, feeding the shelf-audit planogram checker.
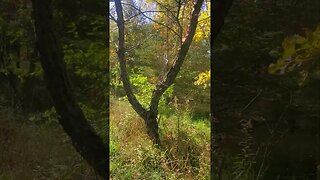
(184, 152)
(31, 148)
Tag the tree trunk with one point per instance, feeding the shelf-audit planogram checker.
(152, 127)
(84, 138)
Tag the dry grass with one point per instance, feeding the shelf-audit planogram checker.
(37, 151)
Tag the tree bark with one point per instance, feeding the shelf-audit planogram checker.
(150, 116)
(219, 12)
(84, 138)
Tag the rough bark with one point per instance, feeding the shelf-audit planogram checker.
(84, 138)
(150, 116)
(219, 12)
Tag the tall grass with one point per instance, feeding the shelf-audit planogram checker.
(185, 151)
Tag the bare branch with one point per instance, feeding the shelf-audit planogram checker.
(204, 19)
(251, 101)
(142, 12)
(112, 18)
(144, 40)
(153, 19)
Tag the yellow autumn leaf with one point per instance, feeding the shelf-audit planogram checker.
(203, 79)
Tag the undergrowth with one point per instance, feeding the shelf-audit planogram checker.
(184, 152)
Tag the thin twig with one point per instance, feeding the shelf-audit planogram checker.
(205, 19)
(141, 42)
(169, 10)
(113, 18)
(252, 100)
(152, 19)
(141, 12)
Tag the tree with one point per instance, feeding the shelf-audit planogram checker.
(71, 117)
(150, 116)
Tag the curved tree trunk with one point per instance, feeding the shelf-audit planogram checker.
(84, 138)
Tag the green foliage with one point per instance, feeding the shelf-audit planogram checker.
(89, 63)
(142, 87)
(97, 117)
(85, 53)
(17, 42)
